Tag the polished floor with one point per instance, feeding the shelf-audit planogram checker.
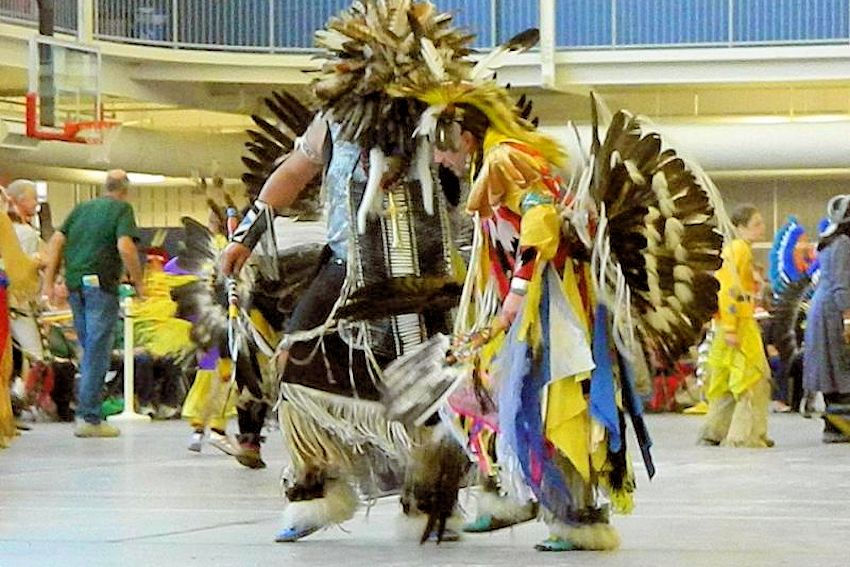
(143, 499)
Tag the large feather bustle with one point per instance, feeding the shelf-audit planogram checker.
(378, 43)
(662, 232)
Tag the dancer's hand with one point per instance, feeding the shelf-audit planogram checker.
(233, 258)
(510, 308)
(139, 288)
(732, 339)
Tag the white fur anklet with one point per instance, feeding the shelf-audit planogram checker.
(337, 505)
(409, 527)
(504, 508)
(591, 537)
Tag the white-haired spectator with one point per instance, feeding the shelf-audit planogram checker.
(23, 207)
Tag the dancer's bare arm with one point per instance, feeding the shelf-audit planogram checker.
(284, 185)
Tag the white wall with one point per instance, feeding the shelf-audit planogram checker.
(154, 205)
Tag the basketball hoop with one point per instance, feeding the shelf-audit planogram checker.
(100, 135)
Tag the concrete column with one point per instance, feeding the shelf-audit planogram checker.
(547, 43)
(85, 20)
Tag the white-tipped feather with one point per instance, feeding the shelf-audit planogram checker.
(428, 122)
(615, 159)
(655, 295)
(674, 303)
(423, 172)
(683, 292)
(652, 214)
(488, 65)
(331, 40)
(682, 273)
(493, 60)
(659, 182)
(372, 195)
(673, 231)
(433, 60)
(634, 173)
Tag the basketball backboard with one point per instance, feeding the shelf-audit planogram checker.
(63, 98)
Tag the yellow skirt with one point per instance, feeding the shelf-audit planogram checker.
(736, 370)
(211, 401)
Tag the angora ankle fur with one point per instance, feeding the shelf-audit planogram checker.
(592, 537)
(502, 507)
(409, 527)
(338, 505)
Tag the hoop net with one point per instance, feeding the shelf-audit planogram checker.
(100, 135)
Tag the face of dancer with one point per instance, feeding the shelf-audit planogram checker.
(455, 159)
(753, 231)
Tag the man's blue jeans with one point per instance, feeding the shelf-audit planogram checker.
(95, 314)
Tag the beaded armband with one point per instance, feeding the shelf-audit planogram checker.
(519, 286)
(254, 224)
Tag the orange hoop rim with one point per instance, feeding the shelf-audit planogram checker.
(100, 126)
(70, 131)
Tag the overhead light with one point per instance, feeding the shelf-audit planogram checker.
(786, 119)
(41, 191)
(144, 178)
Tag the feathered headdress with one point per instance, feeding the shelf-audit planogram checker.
(378, 43)
(790, 258)
(369, 47)
(474, 99)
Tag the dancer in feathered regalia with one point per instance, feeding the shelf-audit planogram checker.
(565, 286)
(385, 281)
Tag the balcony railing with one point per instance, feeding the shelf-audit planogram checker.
(26, 12)
(288, 25)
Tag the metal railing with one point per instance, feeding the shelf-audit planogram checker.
(25, 12)
(288, 25)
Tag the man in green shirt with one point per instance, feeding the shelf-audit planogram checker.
(93, 241)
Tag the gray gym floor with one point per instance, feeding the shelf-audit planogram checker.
(143, 499)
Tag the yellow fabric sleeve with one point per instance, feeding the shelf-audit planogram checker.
(21, 270)
(737, 285)
(541, 230)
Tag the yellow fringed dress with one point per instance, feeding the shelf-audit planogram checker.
(738, 376)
